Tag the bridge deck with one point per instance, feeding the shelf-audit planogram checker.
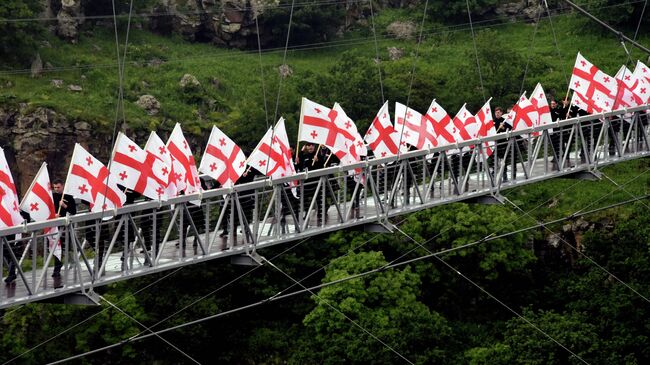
(432, 180)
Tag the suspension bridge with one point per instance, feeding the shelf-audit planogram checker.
(153, 236)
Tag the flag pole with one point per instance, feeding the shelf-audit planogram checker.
(302, 107)
(328, 160)
(65, 185)
(31, 186)
(313, 161)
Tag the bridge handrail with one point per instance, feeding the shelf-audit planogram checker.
(267, 182)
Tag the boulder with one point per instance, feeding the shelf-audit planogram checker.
(395, 53)
(189, 81)
(401, 30)
(149, 103)
(285, 71)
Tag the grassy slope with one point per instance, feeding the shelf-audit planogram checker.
(444, 54)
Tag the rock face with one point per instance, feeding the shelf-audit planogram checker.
(30, 137)
(229, 23)
(529, 9)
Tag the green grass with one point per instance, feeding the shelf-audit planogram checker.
(237, 103)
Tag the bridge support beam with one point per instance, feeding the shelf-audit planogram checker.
(593, 175)
(376, 228)
(246, 260)
(89, 298)
(487, 200)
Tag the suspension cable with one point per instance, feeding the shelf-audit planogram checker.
(149, 329)
(415, 61)
(492, 296)
(284, 61)
(259, 50)
(636, 33)
(530, 49)
(619, 34)
(557, 45)
(478, 63)
(377, 58)
(356, 323)
(347, 278)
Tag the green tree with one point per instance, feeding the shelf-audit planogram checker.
(523, 344)
(17, 35)
(386, 304)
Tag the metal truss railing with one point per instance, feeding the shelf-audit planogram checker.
(152, 236)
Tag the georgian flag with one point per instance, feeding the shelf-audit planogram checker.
(223, 160)
(156, 147)
(486, 129)
(581, 102)
(268, 158)
(465, 124)
(185, 172)
(523, 115)
(317, 126)
(641, 71)
(38, 203)
(414, 128)
(539, 101)
(597, 87)
(9, 212)
(139, 170)
(629, 89)
(381, 135)
(88, 179)
(354, 146)
(441, 122)
(281, 145)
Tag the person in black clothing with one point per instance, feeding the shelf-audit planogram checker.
(310, 159)
(16, 247)
(560, 136)
(501, 126)
(64, 205)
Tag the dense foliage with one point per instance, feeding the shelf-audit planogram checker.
(17, 36)
(425, 311)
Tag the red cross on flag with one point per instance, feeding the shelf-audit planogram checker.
(156, 147)
(40, 206)
(281, 145)
(583, 103)
(268, 158)
(596, 86)
(317, 126)
(223, 160)
(539, 101)
(89, 180)
(441, 122)
(523, 115)
(629, 89)
(486, 127)
(138, 170)
(415, 130)
(185, 173)
(354, 146)
(466, 125)
(381, 136)
(9, 213)
(642, 71)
